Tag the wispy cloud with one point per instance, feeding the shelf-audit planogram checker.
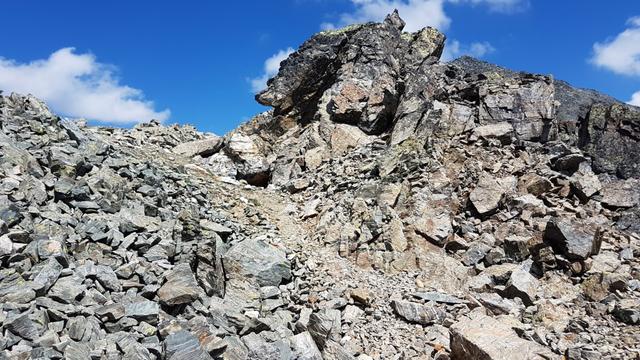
(503, 6)
(417, 13)
(271, 67)
(77, 85)
(454, 49)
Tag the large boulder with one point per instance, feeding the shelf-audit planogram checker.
(204, 147)
(181, 286)
(255, 260)
(572, 239)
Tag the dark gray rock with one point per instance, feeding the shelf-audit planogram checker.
(47, 276)
(572, 239)
(10, 214)
(610, 134)
(183, 345)
(77, 351)
(67, 289)
(23, 326)
(351, 75)
(143, 310)
(260, 349)
(628, 311)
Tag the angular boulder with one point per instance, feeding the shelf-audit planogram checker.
(255, 260)
(485, 338)
(204, 147)
(570, 239)
(181, 286)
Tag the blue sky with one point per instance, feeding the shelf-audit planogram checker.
(194, 61)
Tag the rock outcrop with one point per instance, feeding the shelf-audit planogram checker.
(389, 206)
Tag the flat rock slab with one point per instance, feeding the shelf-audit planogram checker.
(485, 338)
(418, 313)
(184, 346)
(203, 147)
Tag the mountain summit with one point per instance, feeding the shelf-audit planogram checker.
(389, 206)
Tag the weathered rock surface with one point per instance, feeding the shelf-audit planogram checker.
(485, 338)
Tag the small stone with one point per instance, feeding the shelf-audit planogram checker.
(501, 131)
(10, 214)
(108, 278)
(361, 296)
(47, 275)
(215, 227)
(438, 297)
(628, 311)
(435, 227)
(23, 326)
(77, 351)
(569, 163)
(143, 310)
(621, 194)
(6, 246)
(475, 253)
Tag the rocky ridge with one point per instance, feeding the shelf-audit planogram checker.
(390, 206)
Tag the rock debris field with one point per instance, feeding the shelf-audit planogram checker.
(389, 206)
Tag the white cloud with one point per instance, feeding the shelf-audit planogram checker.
(416, 13)
(454, 49)
(635, 99)
(271, 67)
(77, 85)
(622, 53)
